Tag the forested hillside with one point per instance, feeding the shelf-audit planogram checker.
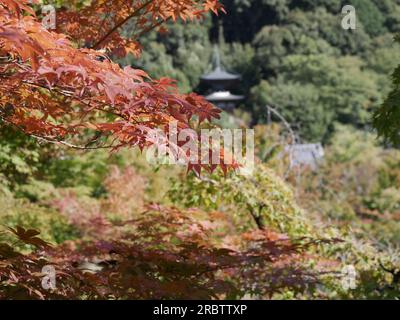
(293, 55)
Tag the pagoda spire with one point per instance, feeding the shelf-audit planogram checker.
(217, 65)
(219, 82)
(221, 38)
(217, 58)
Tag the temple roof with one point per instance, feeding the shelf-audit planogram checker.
(305, 155)
(222, 96)
(219, 74)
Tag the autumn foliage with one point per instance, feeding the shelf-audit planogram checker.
(59, 86)
(165, 256)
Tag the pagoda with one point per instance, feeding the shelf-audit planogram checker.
(220, 82)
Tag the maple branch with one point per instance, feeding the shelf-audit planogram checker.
(53, 141)
(121, 23)
(70, 145)
(148, 29)
(68, 94)
(393, 272)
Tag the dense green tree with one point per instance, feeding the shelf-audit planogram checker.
(157, 63)
(371, 16)
(314, 91)
(19, 157)
(320, 23)
(390, 10)
(190, 48)
(274, 43)
(300, 104)
(246, 17)
(183, 53)
(384, 55)
(331, 5)
(387, 118)
(239, 58)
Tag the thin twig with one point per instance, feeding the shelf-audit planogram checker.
(121, 23)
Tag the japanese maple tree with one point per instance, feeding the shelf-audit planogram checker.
(62, 86)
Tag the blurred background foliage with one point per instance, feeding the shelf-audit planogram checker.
(292, 55)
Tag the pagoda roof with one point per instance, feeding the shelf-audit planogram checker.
(219, 74)
(222, 96)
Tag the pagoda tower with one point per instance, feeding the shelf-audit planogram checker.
(220, 82)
